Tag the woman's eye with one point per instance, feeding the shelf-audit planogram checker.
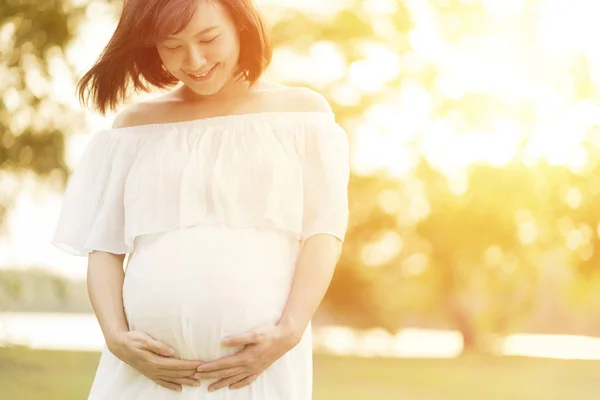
(201, 41)
(209, 40)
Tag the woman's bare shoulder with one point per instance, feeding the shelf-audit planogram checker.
(132, 115)
(141, 113)
(294, 98)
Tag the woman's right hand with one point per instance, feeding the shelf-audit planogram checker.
(154, 359)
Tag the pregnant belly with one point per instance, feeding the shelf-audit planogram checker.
(192, 287)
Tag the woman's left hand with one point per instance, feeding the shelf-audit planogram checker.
(262, 346)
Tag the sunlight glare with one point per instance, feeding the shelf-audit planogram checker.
(493, 256)
(573, 198)
(419, 205)
(559, 136)
(412, 342)
(417, 103)
(380, 6)
(328, 63)
(502, 8)
(11, 99)
(379, 151)
(458, 184)
(567, 27)
(528, 232)
(30, 212)
(325, 62)
(362, 74)
(415, 264)
(574, 239)
(434, 140)
(383, 251)
(345, 94)
(552, 346)
(390, 201)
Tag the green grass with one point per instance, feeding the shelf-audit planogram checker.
(55, 375)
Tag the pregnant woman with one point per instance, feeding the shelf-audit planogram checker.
(227, 194)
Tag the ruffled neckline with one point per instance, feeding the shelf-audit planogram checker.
(282, 171)
(232, 119)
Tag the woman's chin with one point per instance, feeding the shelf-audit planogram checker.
(218, 82)
(203, 88)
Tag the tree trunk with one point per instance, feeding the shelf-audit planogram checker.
(468, 332)
(463, 323)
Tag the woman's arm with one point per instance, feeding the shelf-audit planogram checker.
(105, 284)
(314, 270)
(150, 357)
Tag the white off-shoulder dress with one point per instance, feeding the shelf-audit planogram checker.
(212, 214)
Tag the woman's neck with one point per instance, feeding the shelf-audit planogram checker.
(233, 90)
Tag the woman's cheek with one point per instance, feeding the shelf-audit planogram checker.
(170, 62)
(227, 50)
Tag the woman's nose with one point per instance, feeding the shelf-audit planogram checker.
(196, 60)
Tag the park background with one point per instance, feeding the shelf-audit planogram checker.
(471, 268)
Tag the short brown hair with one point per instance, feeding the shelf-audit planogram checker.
(131, 53)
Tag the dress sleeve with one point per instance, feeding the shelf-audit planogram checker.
(326, 172)
(92, 214)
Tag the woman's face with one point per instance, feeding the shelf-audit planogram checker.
(204, 56)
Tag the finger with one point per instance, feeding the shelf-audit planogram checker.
(169, 385)
(241, 340)
(158, 347)
(177, 373)
(223, 363)
(219, 374)
(176, 364)
(226, 382)
(244, 382)
(181, 381)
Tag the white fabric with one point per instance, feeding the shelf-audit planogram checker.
(213, 214)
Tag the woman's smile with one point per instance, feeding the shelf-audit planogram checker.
(201, 77)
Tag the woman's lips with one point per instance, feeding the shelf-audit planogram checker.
(206, 75)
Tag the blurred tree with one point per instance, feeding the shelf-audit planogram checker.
(574, 198)
(32, 122)
(353, 296)
(483, 248)
(38, 290)
(472, 259)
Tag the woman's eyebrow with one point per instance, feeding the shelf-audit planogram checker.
(202, 32)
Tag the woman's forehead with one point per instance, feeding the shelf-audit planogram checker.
(208, 16)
